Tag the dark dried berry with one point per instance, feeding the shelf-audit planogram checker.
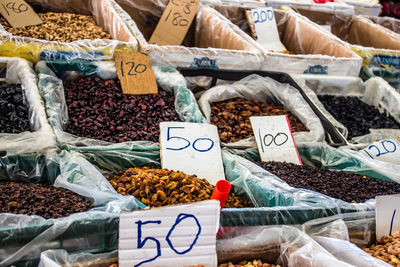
(349, 187)
(357, 116)
(98, 109)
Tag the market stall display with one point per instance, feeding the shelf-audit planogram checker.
(23, 124)
(392, 24)
(212, 40)
(90, 30)
(318, 53)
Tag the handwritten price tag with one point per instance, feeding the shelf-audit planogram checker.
(180, 235)
(263, 21)
(175, 22)
(387, 215)
(135, 73)
(385, 150)
(274, 139)
(193, 148)
(18, 13)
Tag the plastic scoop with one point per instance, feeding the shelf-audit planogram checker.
(221, 192)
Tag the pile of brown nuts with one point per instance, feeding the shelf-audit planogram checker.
(61, 27)
(40, 199)
(387, 249)
(254, 263)
(162, 187)
(232, 117)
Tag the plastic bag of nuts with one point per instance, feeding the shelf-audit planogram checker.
(387, 249)
(70, 30)
(93, 111)
(233, 122)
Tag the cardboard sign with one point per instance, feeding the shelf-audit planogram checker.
(263, 21)
(387, 215)
(180, 235)
(18, 13)
(274, 139)
(135, 73)
(175, 22)
(385, 150)
(193, 148)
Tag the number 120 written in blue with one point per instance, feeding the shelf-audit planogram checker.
(134, 69)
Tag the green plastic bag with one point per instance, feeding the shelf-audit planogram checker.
(392, 76)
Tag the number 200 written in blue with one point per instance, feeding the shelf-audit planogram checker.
(262, 16)
(169, 137)
(179, 219)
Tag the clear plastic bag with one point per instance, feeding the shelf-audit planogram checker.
(212, 41)
(26, 236)
(106, 16)
(41, 136)
(255, 87)
(51, 89)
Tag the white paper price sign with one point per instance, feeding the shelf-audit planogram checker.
(193, 148)
(274, 139)
(266, 29)
(385, 150)
(387, 215)
(180, 235)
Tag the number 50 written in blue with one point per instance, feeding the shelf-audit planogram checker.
(195, 144)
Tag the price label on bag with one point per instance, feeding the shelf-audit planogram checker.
(180, 235)
(385, 150)
(175, 22)
(387, 215)
(135, 73)
(262, 20)
(274, 139)
(19, 13)
(193, 148)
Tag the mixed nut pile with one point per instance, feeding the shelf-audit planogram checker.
(62, 27)
(357, 116)
(14, 114)
(161, 187)
(254, 263)
(232, 117)
(341, 185)
(98, 109)
(387, 249)
(40, 199)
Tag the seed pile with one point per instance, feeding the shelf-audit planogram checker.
(337, 184)
(161, 187)
(40, 199)
(357, 116)
(232, 117)
(254, 263)
(62, 27)
(14, 114)
(98, 109)
(387, 249)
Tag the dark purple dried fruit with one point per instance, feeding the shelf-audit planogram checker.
(98, 109)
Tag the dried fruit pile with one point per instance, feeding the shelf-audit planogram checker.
(254, 263)
(387, 249)
(14, 114)
(345, 186)
(232, 117)
(98, 109)
(40, 199)
(161, 187)
(357, 116)
(62, 27)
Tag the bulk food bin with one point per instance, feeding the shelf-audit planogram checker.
(117, 114)
(24, 237)
(105, 16)
(284, 245)
(19, 89)
(211, 41)
(312, 50)
(392, 24)
(377, 45)
(376, 93)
